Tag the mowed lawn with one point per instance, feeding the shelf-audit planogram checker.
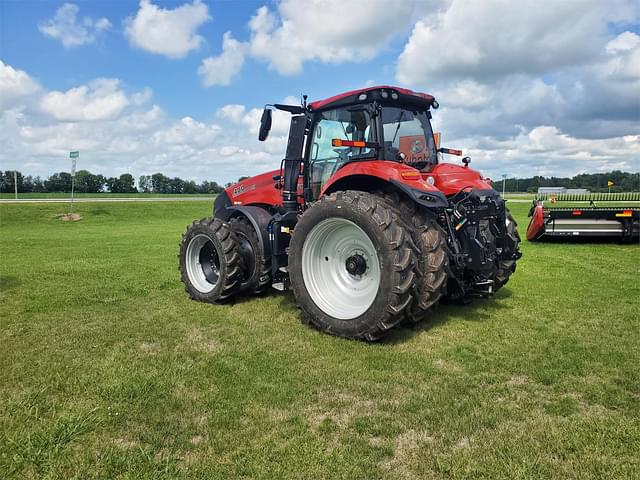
(108, 370)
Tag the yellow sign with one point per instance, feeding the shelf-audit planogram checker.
(609, 183)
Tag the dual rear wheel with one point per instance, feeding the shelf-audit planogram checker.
(352, 265)
(218, 260)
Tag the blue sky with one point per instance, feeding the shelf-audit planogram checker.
(516, 80)
(174, 84)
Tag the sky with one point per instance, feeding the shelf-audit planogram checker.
(531, 87)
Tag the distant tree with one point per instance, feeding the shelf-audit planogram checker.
(27, 184)
(189, 186)
(209, 187)
(58, 182)
(38, 185)
(128, 183)
(159, 183)
(123, 184)
(87, 182)
(176, 185)
(144, 184)
(7, 182)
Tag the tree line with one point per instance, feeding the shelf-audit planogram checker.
(87, 182)
(594, 182)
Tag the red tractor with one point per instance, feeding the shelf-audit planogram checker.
(361, 221)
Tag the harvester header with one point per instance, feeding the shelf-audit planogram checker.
(591, 215)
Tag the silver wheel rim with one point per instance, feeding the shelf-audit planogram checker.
(202, 263)
(331, 247)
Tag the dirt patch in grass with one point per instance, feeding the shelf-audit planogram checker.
(197, 340)
(68, 217)
(149, 348)
(124, 443)
(406, 445)
(339, 408)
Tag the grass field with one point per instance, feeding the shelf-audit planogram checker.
(101, 195)
(108, 370)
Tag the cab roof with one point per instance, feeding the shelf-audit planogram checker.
(402, 95)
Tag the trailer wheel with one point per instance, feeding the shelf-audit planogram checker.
(210, 261)
(505, 268)
(433, 259)
(351, 266)
(257, 268)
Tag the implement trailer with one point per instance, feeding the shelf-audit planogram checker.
(604, 215)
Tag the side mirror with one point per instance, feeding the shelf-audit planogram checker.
(265, 125)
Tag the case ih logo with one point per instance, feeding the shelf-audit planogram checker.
(414, 148)
(240, 189)
(417, 147)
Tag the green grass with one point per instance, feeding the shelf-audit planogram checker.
(108, 370)
(101, 195)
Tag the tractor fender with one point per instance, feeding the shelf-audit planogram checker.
(374, 175)
(427, 199)
(258, 217)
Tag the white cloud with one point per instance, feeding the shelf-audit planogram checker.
(487, 40)
(70, 30)
(579, 120)
(116, 130)
(625, 41)
(327, 31)
(14, 85)
(545, 150)
(101, 99)
(142, 97)
(167, 32)
(222, 69)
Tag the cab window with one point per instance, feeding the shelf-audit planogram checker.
(324, 158)
(408, 137)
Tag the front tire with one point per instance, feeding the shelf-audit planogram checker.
(210, 261)
(351, 266)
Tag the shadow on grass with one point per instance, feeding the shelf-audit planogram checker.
(269, 292)
(478, 309)
(8, 282)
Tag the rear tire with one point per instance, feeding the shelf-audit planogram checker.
(505, 268)
(433, 258)
(257, 268)
(210, 261)
(351, 266)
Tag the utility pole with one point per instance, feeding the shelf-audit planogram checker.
(74, 158)
(15, 182)
(504, 183)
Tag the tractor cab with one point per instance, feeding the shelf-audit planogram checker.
(391, 132)
(377, 124)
